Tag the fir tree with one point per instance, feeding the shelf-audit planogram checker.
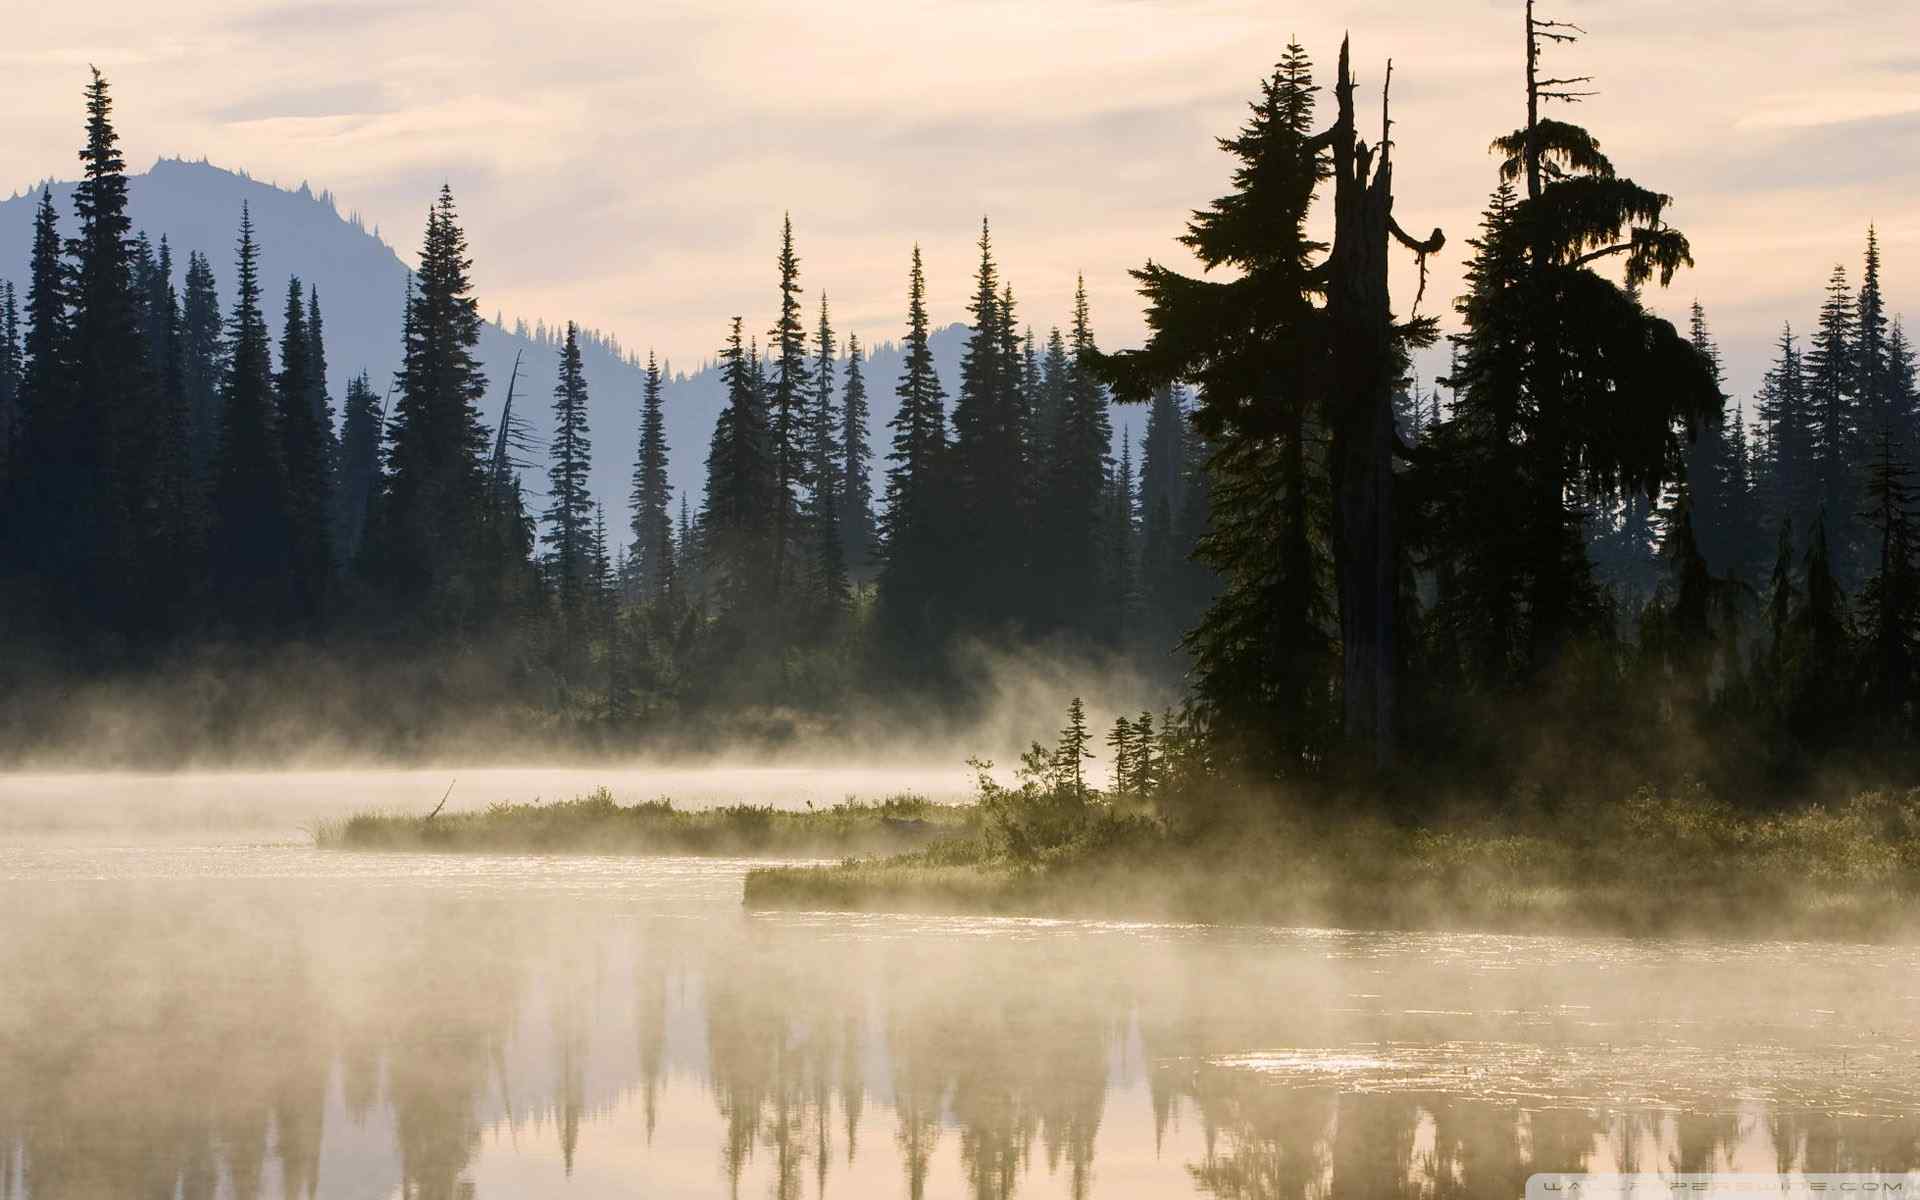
(426, 532)
(1788, 480)
(202, 361)
(829, 561)
(1873, 374)
(911, 527)
(569, 514)
(304, 452)
(319, 394)
(651, 494)
(250, 540)
(787, 355)
(988, 466)
(1073, 751)
(741, 485)
(1832, 406)
(856, 464)
(41, 517)
(1074, 499)
(116, 531)
(1890, 601)
(10, 421)
(359, 470)
(1715, 509)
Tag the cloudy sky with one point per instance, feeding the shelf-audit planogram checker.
(625, 163)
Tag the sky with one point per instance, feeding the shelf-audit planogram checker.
(627, 164)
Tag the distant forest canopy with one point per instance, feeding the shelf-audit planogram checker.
(1577, 549)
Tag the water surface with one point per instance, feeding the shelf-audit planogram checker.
(232, 1018)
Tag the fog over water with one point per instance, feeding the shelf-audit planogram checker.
(242, 1015)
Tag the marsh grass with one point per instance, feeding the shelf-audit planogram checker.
(597, 823)
(1674, 862)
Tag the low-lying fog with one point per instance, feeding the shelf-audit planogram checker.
(283, 804)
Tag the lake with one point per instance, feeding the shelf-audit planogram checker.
(196, 1013)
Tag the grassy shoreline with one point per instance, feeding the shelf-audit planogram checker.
(597, 824)
(1657, 865)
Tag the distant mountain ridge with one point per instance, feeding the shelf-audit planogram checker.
(362, 285)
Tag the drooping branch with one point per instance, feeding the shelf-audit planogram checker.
(1420, 250)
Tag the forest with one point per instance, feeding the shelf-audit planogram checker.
(1570, 565)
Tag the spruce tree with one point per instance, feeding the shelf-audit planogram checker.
(1074, 498)
(319, 392)
(828, 574)
(250, 534)
(1890, 601)
(1715, 509)
(1832, 410)
(202, 361)
(172, 508)
(735, 519)
(115, 531)
(359, 471)
(988, 464)
(569, 514)
(856, 465)
(1262, 654)
(1787, 483)
(426, 537)
(308, 463)
(787, 356)
(911, 527)
(651, 494)
(10, 420)
(1873, 374)
(40, 516)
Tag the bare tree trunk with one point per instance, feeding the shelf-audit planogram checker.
(1364, 367)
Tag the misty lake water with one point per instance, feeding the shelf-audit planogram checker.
(197, 1011)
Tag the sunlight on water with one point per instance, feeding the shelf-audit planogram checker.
(223, 1017)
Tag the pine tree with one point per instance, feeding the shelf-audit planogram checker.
(1263, 657)
(427, 541)
(1788, 480)
(319, 394)
(569, 514)
(1873, 373)
(303, 450)
(1890, 601)
(41, 516)
(10, 419)
(787, 355)
(911, 527)
(856, 465)
(202, 362)
(249, 543)
(741, 483)
(829, 561)
(651, 494)
(988, 464)
(116, 531)
(359, 471)
(1074, 499)
(1073, 751)
(1832, 408)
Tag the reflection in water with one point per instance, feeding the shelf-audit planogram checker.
(271, 1022)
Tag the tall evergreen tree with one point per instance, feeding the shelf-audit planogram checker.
(1263, 653)
(319, 391)
(172, 508)
(1787, 470)
(988, 466)
(787, 355)
(10, 421)
(1873, 382)
(856, 464)
(359, 471)
(308, 463)
(426, 532)
(1715, 510)
(42, 517)
(115, 532)
(911, 527)
(250, 540)
(202, 361)
(1832, 411)
(651, 494)
(1890, 601)
(569, 514)
(735, 519)
(1074, 498)
(829, 552)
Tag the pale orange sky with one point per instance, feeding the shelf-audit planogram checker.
(626, 164)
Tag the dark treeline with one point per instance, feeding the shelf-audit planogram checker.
(1576, 550)
(175, 481)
